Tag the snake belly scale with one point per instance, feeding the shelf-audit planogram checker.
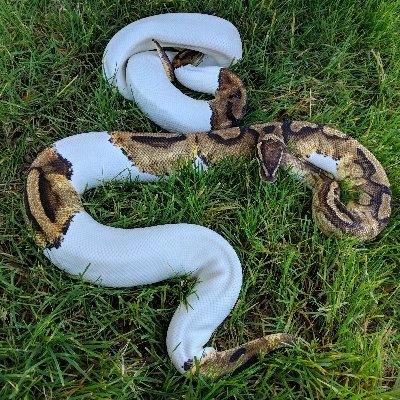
(73, 241)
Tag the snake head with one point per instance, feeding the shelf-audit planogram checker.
(270, 149)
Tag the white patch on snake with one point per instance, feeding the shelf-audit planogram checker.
(324, 162)
(204, 79)
(95, 159)
(161, 101)
(199, 164)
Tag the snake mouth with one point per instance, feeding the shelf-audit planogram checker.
(267, 178)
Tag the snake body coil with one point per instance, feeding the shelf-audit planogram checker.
(73, 241)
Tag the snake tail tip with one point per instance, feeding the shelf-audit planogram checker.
(233, 361)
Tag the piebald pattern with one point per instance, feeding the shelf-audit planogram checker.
(52, 202)
(50, 199)
(198, 60)
(317, 154)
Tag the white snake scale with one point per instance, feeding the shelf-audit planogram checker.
(319, 155)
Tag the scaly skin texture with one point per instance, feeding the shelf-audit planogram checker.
(220, 363)
(288, 144)
(230, 102)
(51, 201)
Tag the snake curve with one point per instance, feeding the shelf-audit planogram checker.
(75, 242)
(133, 67)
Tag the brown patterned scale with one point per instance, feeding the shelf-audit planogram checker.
(51, 201)
(292, 145)
(319, 155)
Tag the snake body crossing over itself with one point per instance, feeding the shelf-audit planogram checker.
(73, 241)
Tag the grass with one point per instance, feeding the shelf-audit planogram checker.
(329, 62)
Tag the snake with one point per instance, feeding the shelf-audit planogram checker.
(144, 61)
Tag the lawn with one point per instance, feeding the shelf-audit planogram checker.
(333, 62)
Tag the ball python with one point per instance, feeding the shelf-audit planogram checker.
(73, 241)
(131, 65)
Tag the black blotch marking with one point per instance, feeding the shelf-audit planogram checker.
(388, 191)
(248, 129)
(304, 131)
(331, 137)
(366, 165)
(344, 210)
(237, 94)
(331, 213)
(230, 116)
(227, 79)
(59, 166)
(243, 130)
(269, 129)
(236, 355)
(50, 202)
(286, 129)
(186, 57)
(219, 139)
(247, 364)
(377, 200)
(158, 142)
(378, 190)
(48, 198)
(57, 242)
(188, 364)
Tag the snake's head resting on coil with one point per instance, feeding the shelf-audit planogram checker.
(270, 149)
